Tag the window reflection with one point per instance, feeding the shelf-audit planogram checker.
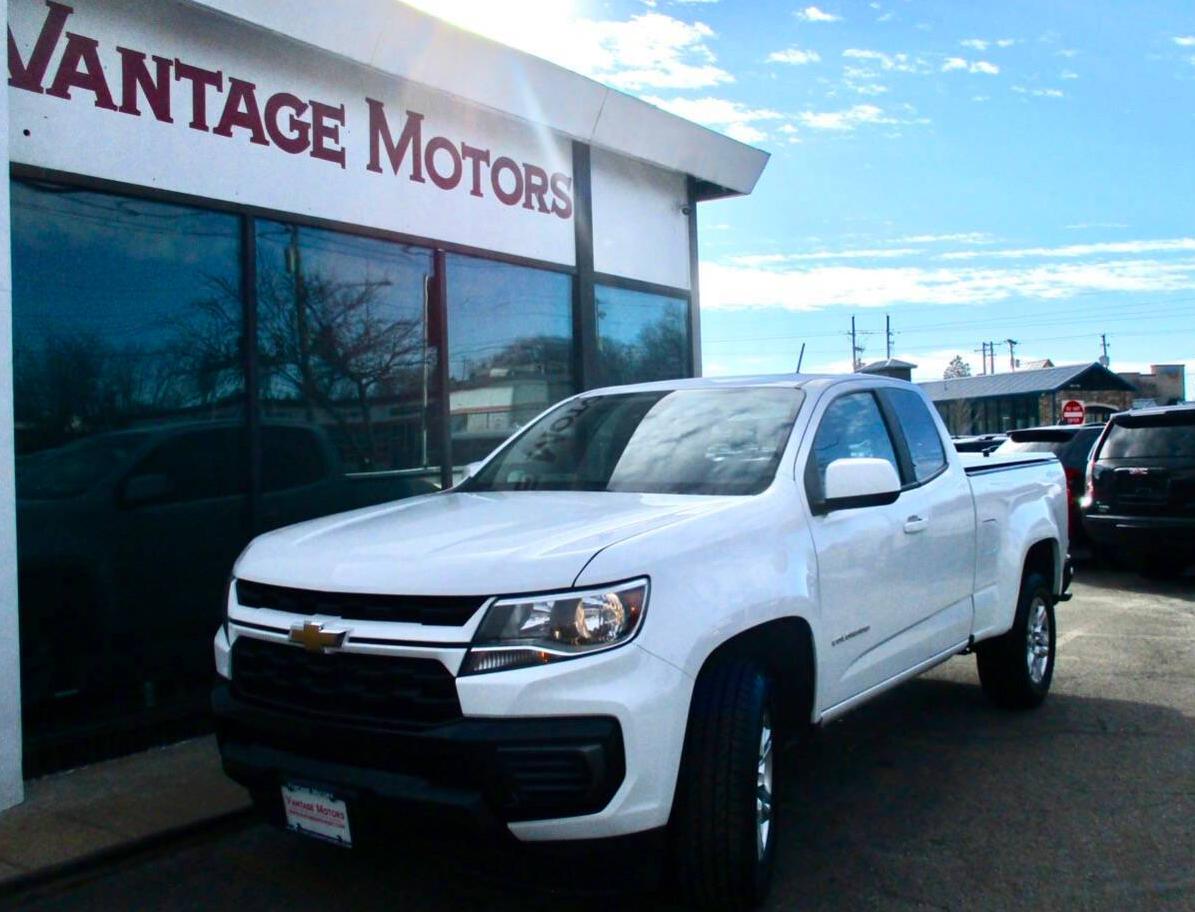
(347, 372)
(641, 336)
(510, 338)
(131, 458)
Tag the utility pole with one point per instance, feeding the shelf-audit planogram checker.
(888, 334)
(854, 348)
(1012, 349)
(983, 369)
(1104, 344)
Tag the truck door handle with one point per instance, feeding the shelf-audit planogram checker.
(915, 524)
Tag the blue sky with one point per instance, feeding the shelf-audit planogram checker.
(975, 171)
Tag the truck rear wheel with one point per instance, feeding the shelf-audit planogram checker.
(724, 825)
(1016, 669)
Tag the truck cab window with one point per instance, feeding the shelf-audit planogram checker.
(851, 427)
(921, 434)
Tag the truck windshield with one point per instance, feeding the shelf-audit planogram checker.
(705, 441)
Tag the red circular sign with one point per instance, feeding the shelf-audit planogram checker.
(1073, 412)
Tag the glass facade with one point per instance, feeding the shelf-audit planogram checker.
(131, 471)
(511, 341)
(642, 336)
(186, 378)
(347, 372)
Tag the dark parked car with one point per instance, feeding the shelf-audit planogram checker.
(980, 443)
(1140, 498)
(1072, 444)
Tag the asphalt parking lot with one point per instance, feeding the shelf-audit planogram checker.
(927, 798)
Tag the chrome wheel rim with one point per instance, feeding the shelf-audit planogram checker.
(763, 788)
(1037, 647)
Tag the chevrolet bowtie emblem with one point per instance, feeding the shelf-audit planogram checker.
(312, 636)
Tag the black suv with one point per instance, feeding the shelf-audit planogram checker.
(1140, 498)
(1072, 444)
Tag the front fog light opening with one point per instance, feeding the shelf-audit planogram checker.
(526, 631)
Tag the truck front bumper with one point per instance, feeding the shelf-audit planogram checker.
(474, 774)
(576, 750)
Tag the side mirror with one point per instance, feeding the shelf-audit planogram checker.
(471, 469)
(860, 482)
(142, 489)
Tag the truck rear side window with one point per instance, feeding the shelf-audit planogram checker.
(921, 434)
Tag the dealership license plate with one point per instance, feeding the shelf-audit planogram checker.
(313, 812)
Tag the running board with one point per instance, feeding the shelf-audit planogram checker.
(841, 709)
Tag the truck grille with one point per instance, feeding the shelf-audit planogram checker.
(439, 610)
(391, 691)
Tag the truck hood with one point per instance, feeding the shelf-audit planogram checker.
(462, 544)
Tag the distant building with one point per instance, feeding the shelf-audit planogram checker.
(1035, 365)
(890, 367)
(994, 403)
(1165, 384)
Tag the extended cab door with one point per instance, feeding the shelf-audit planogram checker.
(887, 574)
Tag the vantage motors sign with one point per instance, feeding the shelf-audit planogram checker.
(199, 103)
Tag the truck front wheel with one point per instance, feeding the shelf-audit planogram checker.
(724, 821)
(1016, 669)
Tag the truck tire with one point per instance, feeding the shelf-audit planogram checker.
(723, 827)
(1016, 669)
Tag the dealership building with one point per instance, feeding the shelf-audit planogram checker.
(272, 259)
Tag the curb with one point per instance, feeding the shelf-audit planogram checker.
(95, 862)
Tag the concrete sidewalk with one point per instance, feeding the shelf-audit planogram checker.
(93, 812)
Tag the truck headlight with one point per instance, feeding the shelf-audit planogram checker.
(534, 630)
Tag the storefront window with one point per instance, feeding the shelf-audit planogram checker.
(510, 343)
(641, 336)
(131, 468)
(347, 370)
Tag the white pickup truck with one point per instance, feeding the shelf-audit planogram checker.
(608, 626)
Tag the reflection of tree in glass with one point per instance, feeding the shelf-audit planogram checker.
(336, 346)
(526, 356)
(659, 352)
(72, 383)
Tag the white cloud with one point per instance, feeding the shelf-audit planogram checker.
(651, 50)
(875, 253)
(898, 62)
(1067, 52)
(734, 119)
(1005, 42)
(1080, 225)
(1070, 251)
(981, 97)
(845, 120)
(978, 66)
(813, 14)
(795, 56)
(1068, 74)
(978, 44)
(1184, 40)
(963, 237)
(870, 88)
(727, 286)
(1039, 93)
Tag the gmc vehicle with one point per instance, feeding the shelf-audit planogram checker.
(1140, 498)
(611, 626)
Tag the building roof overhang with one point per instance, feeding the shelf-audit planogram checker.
(406, 43)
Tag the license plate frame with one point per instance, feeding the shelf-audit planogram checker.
(316, 812)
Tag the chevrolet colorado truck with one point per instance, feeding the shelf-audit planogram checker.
(611, 625)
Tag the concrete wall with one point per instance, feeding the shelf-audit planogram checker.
(10, 676)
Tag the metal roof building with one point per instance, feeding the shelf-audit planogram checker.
(993, 403)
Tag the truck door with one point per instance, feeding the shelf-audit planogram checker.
(938, 528)
(861, 555)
